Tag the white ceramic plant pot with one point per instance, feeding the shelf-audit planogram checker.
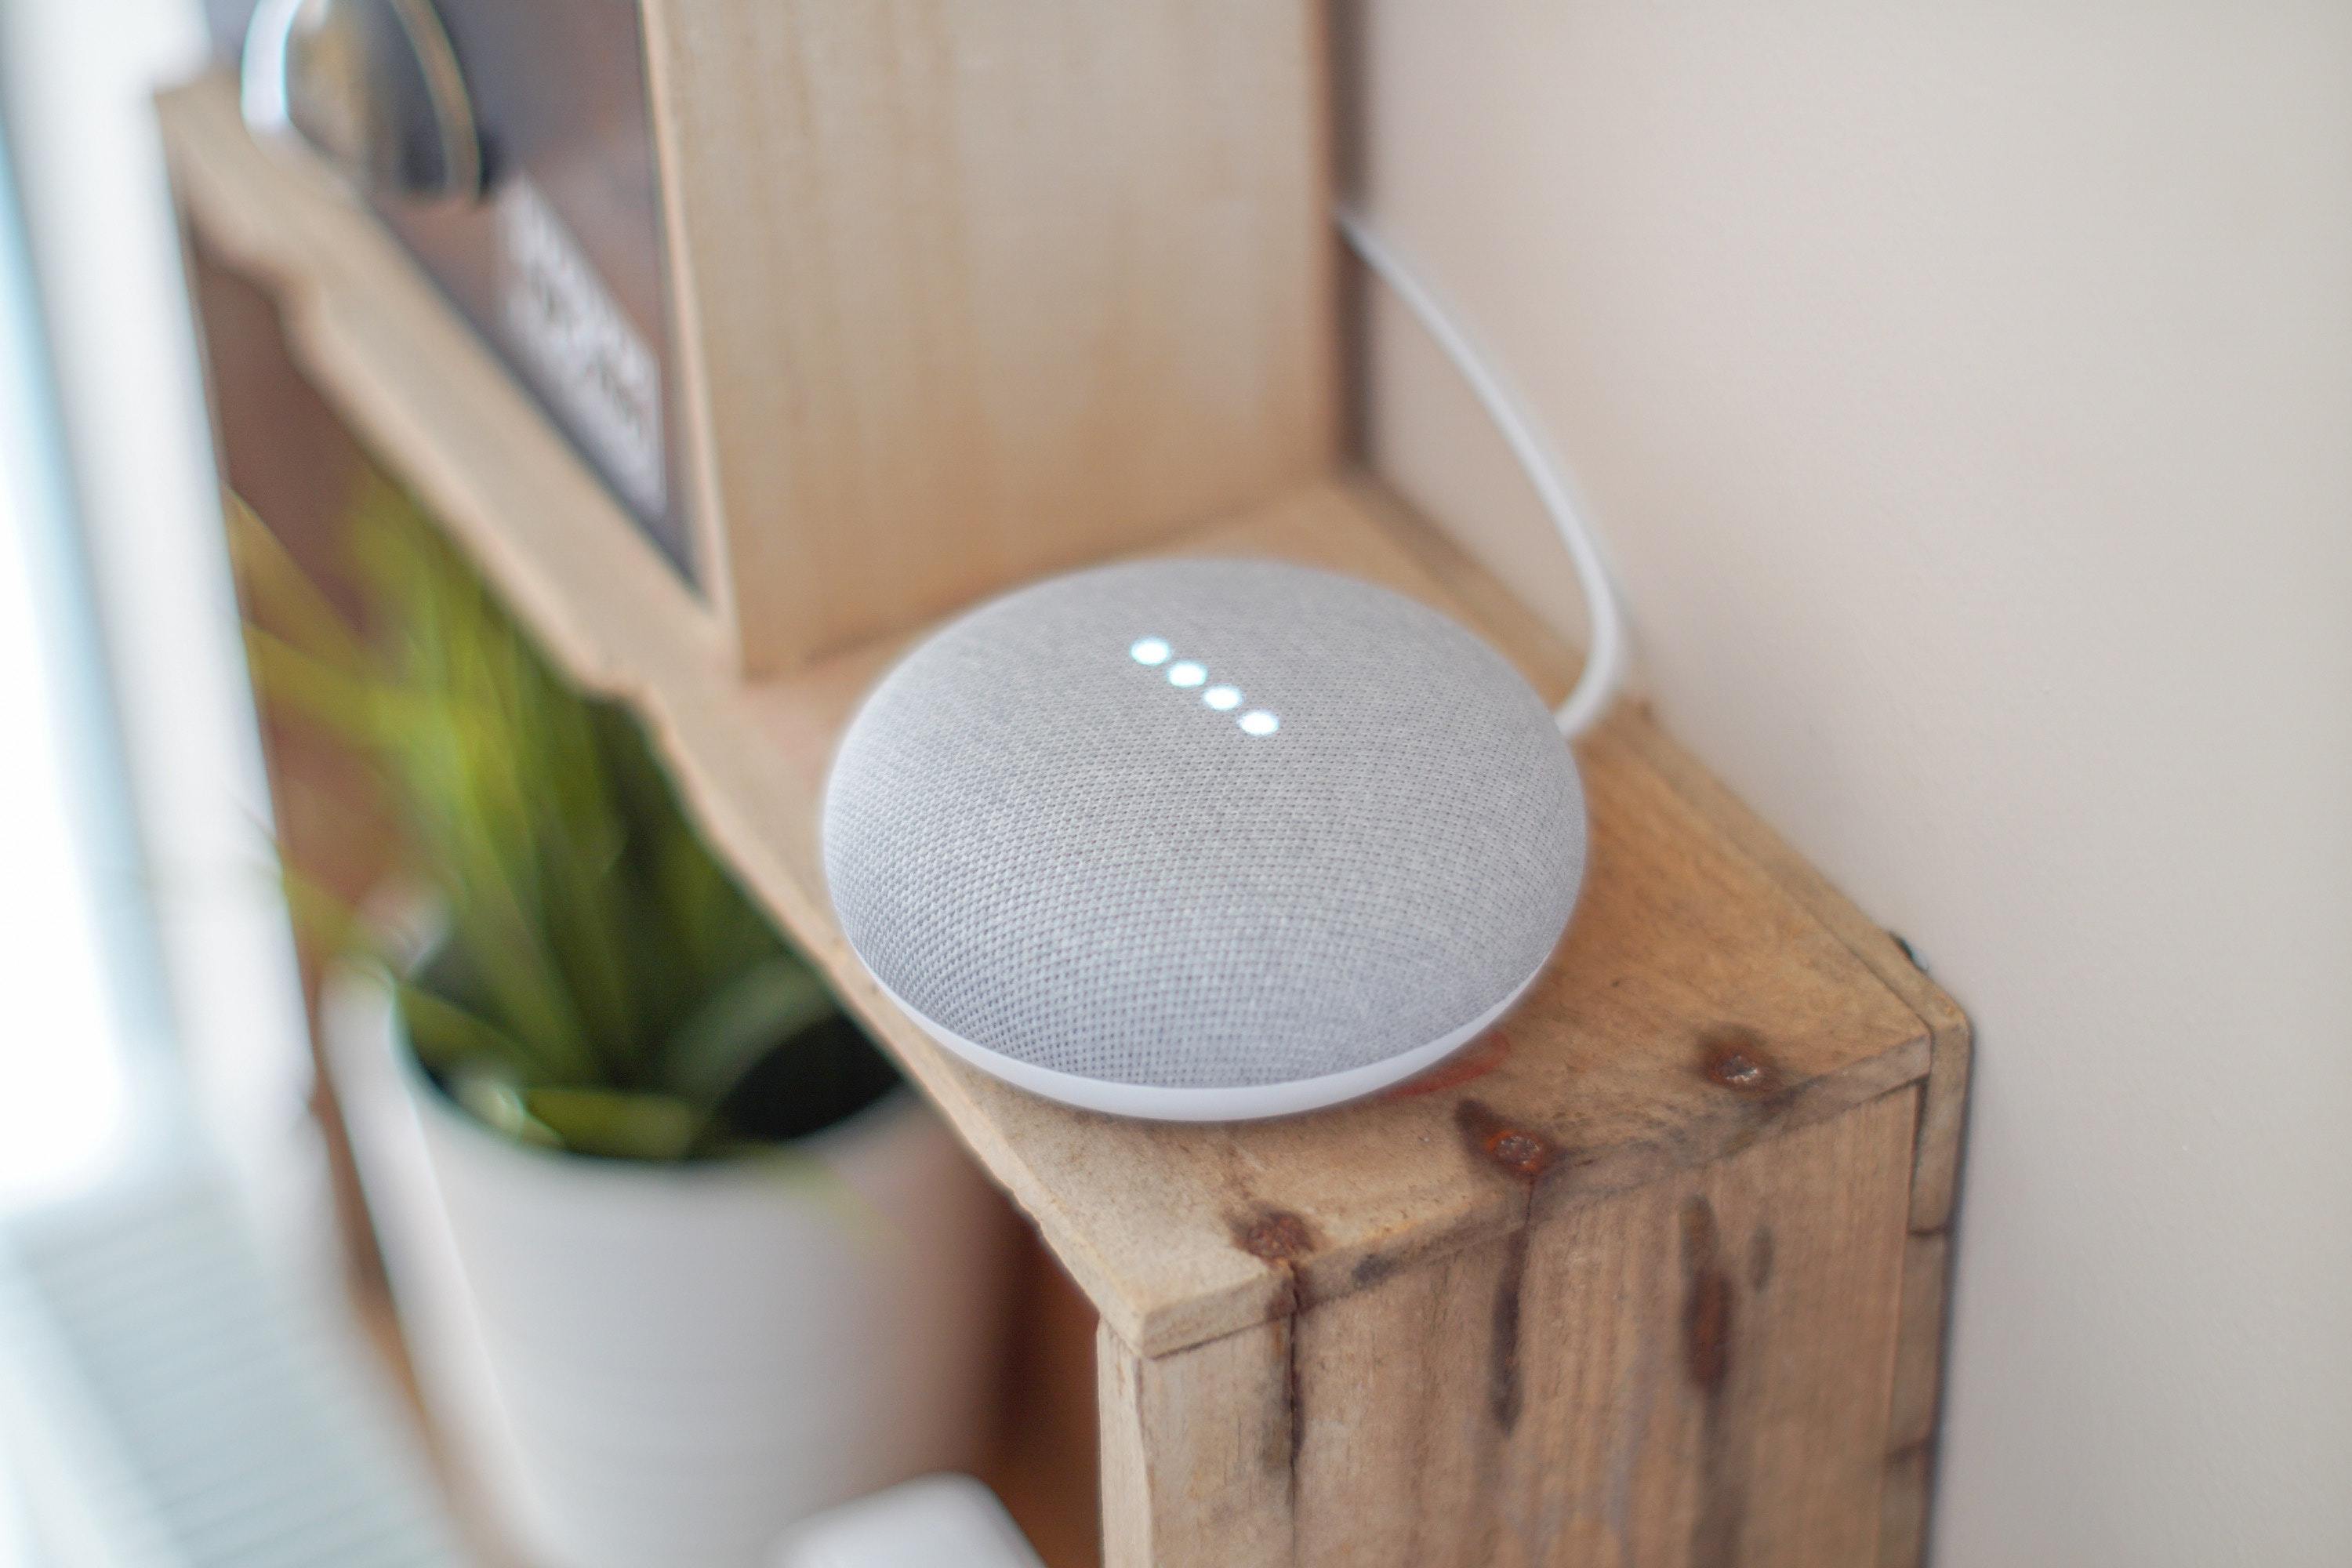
(651, 1366)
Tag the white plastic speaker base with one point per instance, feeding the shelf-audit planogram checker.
(1241, 1102)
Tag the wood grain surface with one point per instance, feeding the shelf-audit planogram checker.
(1695, 1372)
(967, 290)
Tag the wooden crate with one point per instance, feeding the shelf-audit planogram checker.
(966, 293)
(1651, 1273)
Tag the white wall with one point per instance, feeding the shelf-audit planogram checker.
(1967, 395)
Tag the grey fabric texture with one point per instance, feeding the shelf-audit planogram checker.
(1046, 848)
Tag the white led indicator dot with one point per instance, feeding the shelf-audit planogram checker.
(1150, 650)
(1186, 673)
(1223, 699)
(1258, 721)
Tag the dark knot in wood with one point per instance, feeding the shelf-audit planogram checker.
(1733, 1056)
(1275, 1235)
(1707, 1301)
(1518, 1150)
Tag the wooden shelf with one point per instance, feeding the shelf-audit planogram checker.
(1712, 992)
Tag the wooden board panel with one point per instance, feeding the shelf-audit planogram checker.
(1696, 1005)
(1936, 1172)
(1042, 1462)
(1905, 1494)
(970, 290)
(1695, 1371)
(1196, 1452)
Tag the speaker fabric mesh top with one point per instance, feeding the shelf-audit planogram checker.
(1198, 826)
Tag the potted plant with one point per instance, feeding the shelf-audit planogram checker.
(678, 1256)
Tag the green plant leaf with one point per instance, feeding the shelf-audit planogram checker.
(281, 589)
(471, 834)
(585, 890)
(446, 1037)
(323, 916)
(708, 1055)
(348, 706)
(609, 983)
(497, 1104)
(616, 1123)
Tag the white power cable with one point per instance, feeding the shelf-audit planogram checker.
(1605, 660)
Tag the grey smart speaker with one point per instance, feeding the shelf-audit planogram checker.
(1204, 840)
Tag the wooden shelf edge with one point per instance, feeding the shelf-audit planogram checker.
(1145, 1219)
(1944, 1106)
